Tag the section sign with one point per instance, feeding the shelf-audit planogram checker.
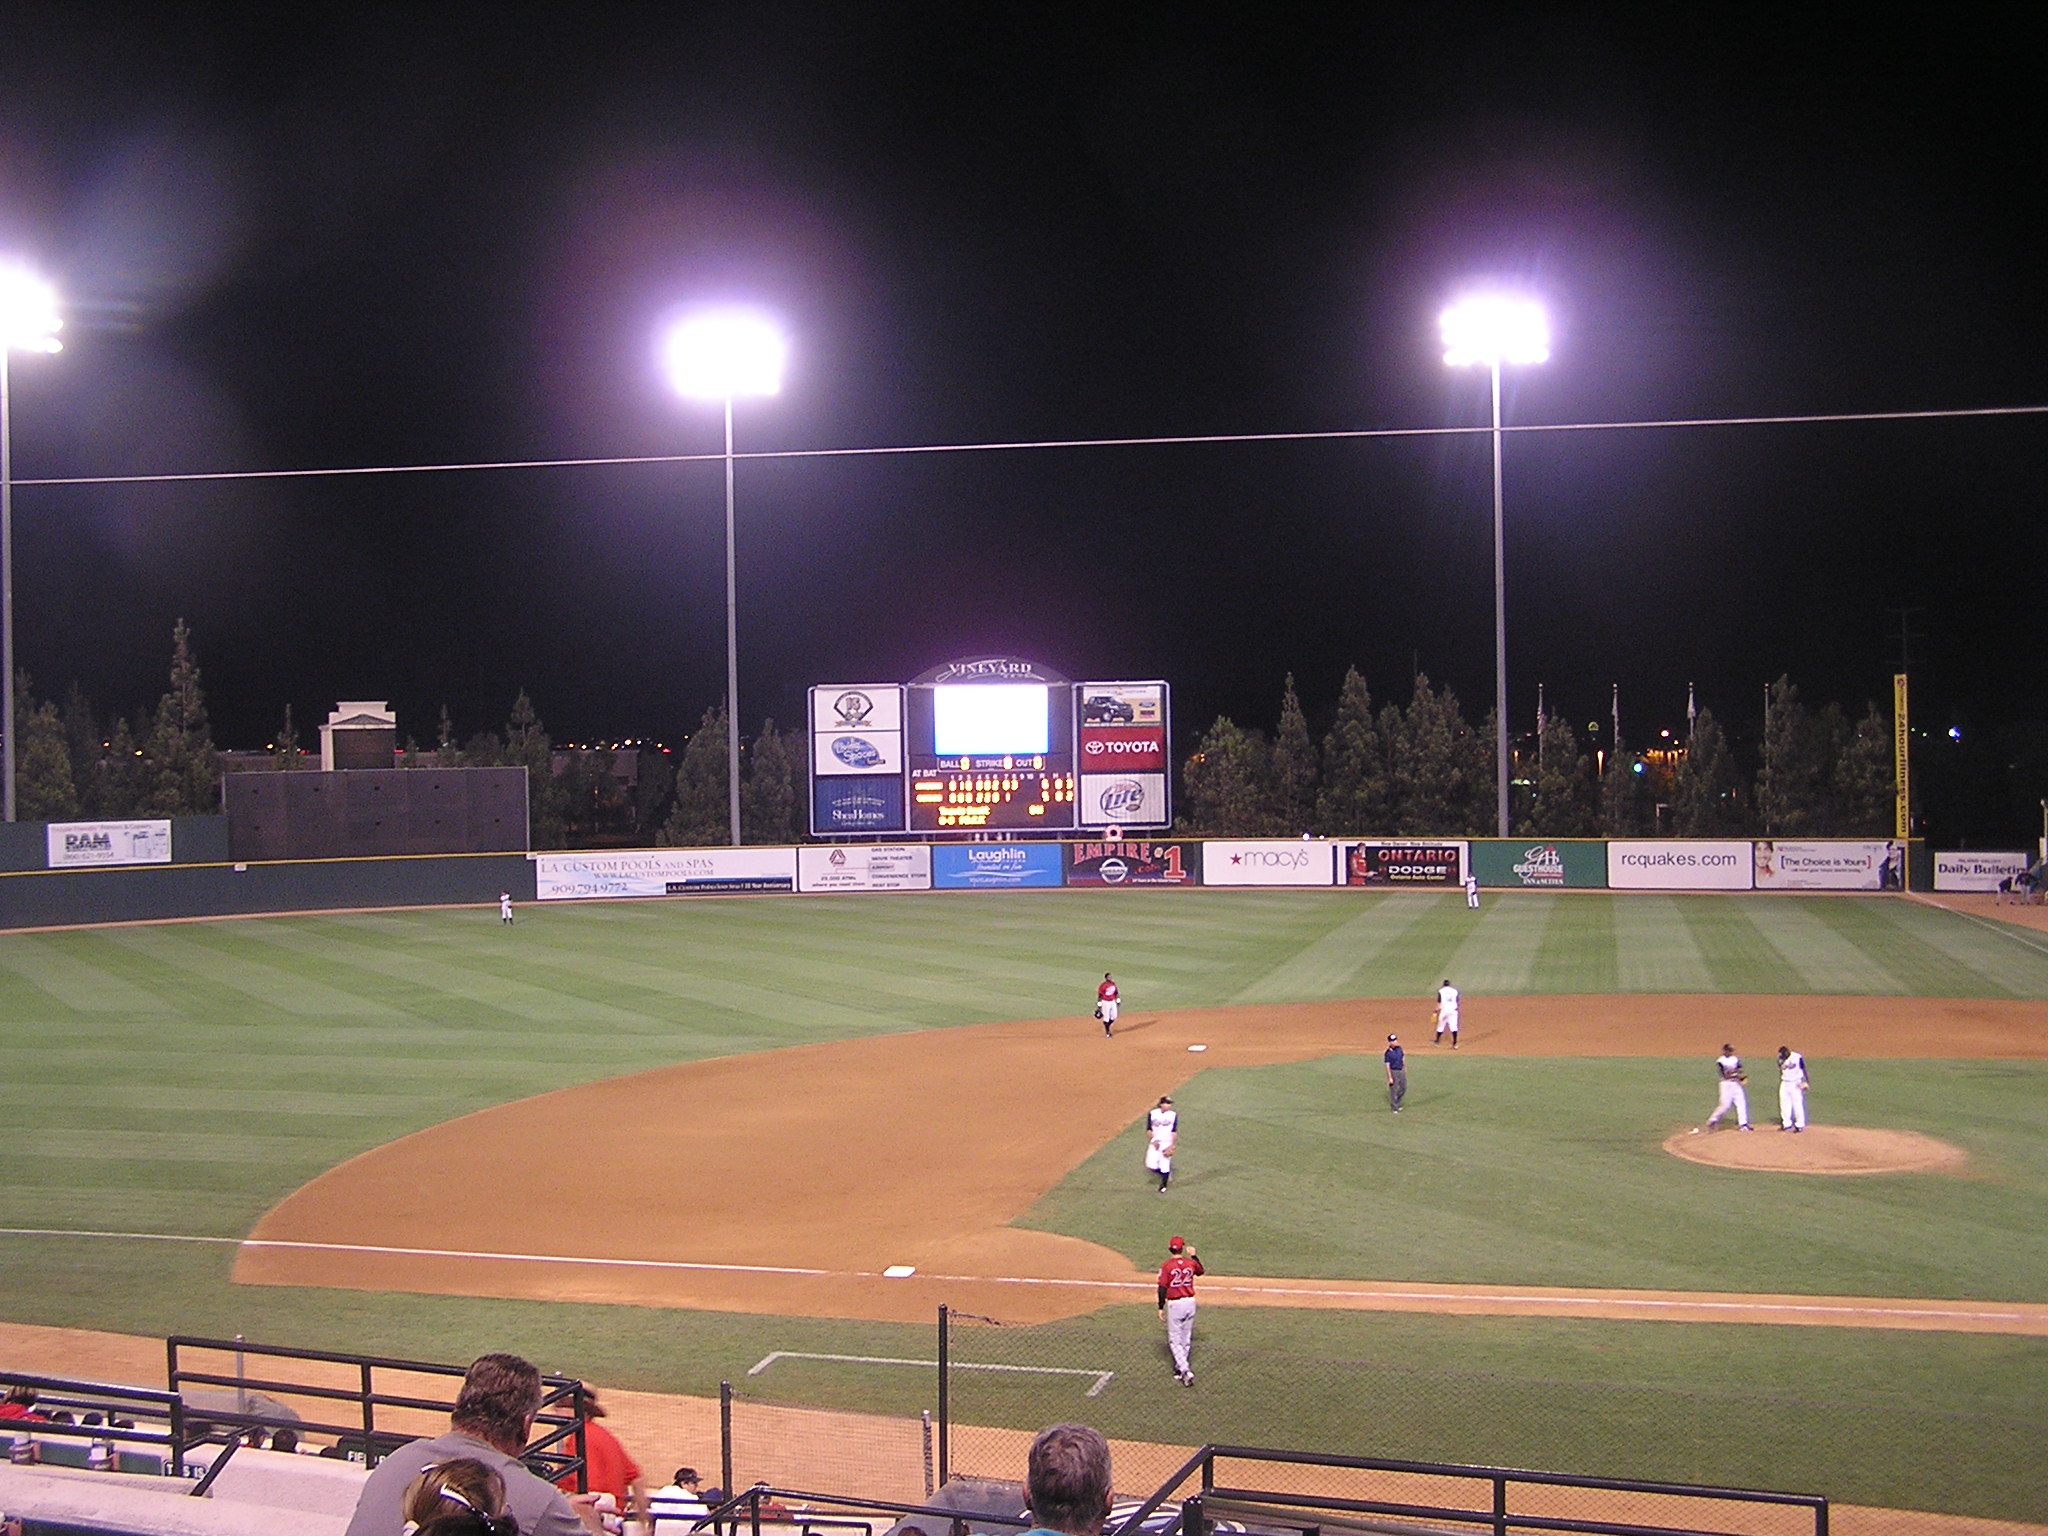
(1553, 865)
(93, 844)
(994, 866)
(1269, 861)
(1133, 862)
(1680, 866)
(865, 867)
(1830, 866)
(1121, 731)
(1977, 871)
(663, 872)
(1404, 863)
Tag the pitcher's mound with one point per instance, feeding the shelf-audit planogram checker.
(1818, 1149)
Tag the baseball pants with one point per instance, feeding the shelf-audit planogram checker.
(1397, 1090)
(1791, 1106)
(1732, 1097)
(1180, 1331)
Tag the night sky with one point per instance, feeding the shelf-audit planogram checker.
(441, 236)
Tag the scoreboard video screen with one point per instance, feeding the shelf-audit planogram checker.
(989, 745)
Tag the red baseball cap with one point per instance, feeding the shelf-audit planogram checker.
(1174, 1245)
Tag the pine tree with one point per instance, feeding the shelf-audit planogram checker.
(447, 750)
(1864, 784)
(43, 787)
(702, 817)
(284, 752)
(1706, 796)
(1353, 799)
(87, 748)
(122, 776)
(654, 783)
(1294, 774)
(1434, 763)
(768, 803)
(1560, 785)
(1792, 787)
(183, 770)
(527, 746)
(1225, 790)
(1626, 807)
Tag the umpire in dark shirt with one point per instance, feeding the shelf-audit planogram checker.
(1397, 1073)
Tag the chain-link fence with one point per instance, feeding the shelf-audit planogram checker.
(779, 1429)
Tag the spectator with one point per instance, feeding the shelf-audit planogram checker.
(458, 1498)
(492, 1420)
(607, 1468)
(286, 1440)
(20, 1403)
(1066, 1480)
(681, 1500)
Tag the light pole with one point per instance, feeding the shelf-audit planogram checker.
(721, 355)
(1492, 329)
(29, 323)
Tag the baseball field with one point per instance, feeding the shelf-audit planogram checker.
(654, 1143)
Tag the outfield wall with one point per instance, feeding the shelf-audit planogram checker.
(37, 897)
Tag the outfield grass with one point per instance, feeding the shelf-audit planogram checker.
(1519, 1171)
(179, 1079)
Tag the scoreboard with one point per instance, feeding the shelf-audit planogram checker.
(993, 744)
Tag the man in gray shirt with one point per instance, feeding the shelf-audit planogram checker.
(492, 1421)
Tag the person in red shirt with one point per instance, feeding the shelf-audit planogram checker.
(609, 1469)
(1177, 1304)
(1106, 1001)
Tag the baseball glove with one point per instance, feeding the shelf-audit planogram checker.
(1742, 1077)
(1098, 1011)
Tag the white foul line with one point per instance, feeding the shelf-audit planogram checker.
(1102, 1378)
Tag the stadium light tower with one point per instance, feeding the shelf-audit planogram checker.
(722, 354)
(1489, 330)
(28, 323)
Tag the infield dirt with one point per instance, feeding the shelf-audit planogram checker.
(785, 1182)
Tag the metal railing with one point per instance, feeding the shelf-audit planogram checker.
(748, 1510)
(159, 1419)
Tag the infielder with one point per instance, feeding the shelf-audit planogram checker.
(1162, 1127)
(1729, 1065)
(1792, 1086)
(1177, 1304)
(1105, 1001)
(1446, 1014)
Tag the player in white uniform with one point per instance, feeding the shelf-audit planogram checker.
(1106, 998)
(1792, 1086)
(1729, 1065)
(1162, 1130)
(1446, 1013)
(1472, 892)
(504, 906)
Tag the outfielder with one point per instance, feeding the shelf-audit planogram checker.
(1729, 1065)
(1105, 1001)
(504, 906)
(1162, 1128)
(1446, 1014)
(1792, 1086)
(1177, 1304)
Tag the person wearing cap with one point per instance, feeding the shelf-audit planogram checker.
(1397, 1073)
(1162, 1130)
(1177, 1304)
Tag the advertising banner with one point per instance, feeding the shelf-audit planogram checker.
(1403, 863)
(838, 707)
(1123, 800)
(1679, 866)
(856, 804)
(663, 872)
(1522, 864)
(865, 867)
(857, 752)
(1122, 749)
(1976, 871)
(1830, 866)
(1133, 862)
(994, 866)
(1124, 703)
(93, 844)
(1274, 861)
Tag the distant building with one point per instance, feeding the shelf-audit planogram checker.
(359, 733)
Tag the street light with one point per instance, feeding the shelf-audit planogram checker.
(1489, 330)
(29, 323)
(720, 355)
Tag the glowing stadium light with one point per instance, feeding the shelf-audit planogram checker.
(1488, 330)
(1491, 329)
(722, 354)
(28, 323)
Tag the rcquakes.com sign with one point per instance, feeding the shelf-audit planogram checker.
(1268, 862)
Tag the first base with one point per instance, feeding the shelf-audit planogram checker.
(899, 1271)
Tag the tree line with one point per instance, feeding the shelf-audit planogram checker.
(1425, 770)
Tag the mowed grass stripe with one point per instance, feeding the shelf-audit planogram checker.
(1578, 947)
(53, 965)
(1737, 955)
(224, 963)
(1654, 949)
(1829, 961)
(1331, 961)
(1502, 941)
(1897, 932)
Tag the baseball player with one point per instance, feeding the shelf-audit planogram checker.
(1397, 1073)
(1105, 1002)
(1446, 1014)
(1792, 1086)
(1472, 892)
(1177, 1304)
(1729, 1065)
(1162, 1127)
(504, 906)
